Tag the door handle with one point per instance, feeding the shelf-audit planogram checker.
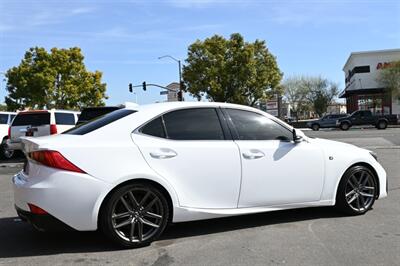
(163, 153)
(253, 154)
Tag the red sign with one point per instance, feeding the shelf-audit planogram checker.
(383, 65)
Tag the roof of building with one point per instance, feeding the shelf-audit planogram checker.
(370, 52)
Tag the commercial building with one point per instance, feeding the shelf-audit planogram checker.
(363, 90)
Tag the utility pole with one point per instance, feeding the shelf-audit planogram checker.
(180, 94)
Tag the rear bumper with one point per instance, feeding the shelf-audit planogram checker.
(72, 198)
(43, 222)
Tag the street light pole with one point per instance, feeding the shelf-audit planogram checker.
(180, 73)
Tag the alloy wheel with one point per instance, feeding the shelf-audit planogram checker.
(360, 191)
(137, 215)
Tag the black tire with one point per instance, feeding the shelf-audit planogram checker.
(382, 124)
(136, 218)
(5, 154)
(353, 203)
(315, 127)
(344, 126)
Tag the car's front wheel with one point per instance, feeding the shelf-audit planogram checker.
(315, 127)
(357, 191)
(381, 125)
(5, 153)
(344, 126)
(135, 215)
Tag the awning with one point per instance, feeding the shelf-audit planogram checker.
(348, 93)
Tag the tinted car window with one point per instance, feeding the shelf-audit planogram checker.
(3, 118)
(99, 122)
(193, 124)
(65, 119)
(253, 126)
(94, 112)
(33, 119)
(154, 128)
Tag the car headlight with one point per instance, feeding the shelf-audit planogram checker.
(373, 154)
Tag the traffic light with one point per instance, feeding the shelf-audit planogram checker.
(180, 97)
(130, 87)
(144, 85)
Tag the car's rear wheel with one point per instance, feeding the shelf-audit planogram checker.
(382, 125)
(135, 215)
(357, 191)
(344, 126)
(315, 127)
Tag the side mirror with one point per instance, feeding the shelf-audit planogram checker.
(296, 138)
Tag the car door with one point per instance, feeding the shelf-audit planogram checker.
(275, 170)
(191, 150)
(324, 122)
(356, 118)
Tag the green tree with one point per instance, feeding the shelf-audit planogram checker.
(296, 95)
(321, 92)
(231, 70)
(306, 93)
(390, 77)
(55, 79)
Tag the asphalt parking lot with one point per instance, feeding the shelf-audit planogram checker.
(312, 236)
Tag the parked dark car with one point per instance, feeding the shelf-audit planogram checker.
(327, 121)
(90, 113)
(366, 117)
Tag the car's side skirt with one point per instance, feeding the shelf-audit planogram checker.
(185, 214)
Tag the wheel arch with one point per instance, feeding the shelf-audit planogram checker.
(365, 164)
(162, 189)
(346, 121)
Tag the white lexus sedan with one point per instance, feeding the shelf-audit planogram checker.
(133, 171)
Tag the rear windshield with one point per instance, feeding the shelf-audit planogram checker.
(90, 113)
(99, 122)
(32, 119)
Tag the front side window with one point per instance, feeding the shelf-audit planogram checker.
(193, 124)
(253, 126)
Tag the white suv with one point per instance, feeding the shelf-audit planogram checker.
(39, 123)
(5, 120)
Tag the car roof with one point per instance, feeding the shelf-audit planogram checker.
(165, 106)
(7, 113)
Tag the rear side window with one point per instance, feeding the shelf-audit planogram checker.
(193, 124)
(32, 119)
(11, 118)
(99, 122)
(253, 126)
(65, 119)
(154, 128)
(3, 118)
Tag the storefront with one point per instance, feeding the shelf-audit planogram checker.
(363, 89)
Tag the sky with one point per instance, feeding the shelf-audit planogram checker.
(124, 38)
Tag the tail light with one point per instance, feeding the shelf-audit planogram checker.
(53, 129)
(36, 210)
(9, 132)
(54, 159)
